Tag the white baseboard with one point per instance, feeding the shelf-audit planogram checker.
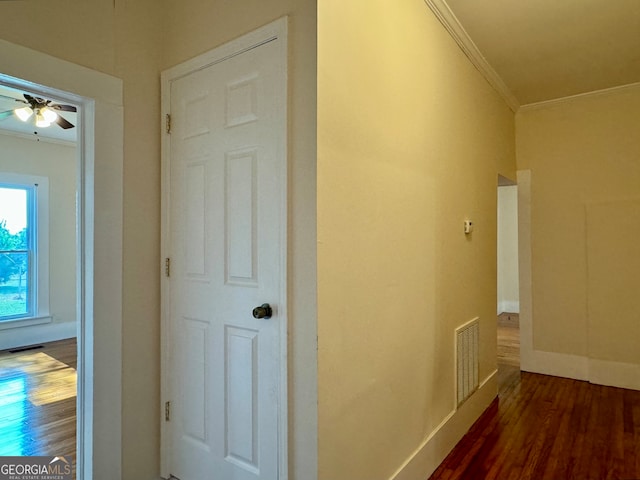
(614, 374)
(508, 306)
(556, 364)
(599, 372)
(423, 462)
(34, 334)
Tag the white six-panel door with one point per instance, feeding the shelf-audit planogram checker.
(226, 223)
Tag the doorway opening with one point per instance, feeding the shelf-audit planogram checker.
(41, 274)
(100, 135)
(508, 305)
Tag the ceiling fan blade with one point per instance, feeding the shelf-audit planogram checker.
(6, 114)
(63, 108)
(64, 123)
(29, 98)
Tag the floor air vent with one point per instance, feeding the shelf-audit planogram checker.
(467, 337)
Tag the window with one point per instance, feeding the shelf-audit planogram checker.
(23, 249)
(16, 251)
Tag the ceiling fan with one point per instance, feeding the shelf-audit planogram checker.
(45, 112)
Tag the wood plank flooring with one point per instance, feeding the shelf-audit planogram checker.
(549, 428)
(509, 339)
(38, 401)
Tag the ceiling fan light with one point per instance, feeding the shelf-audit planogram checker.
(23, 113)
(49, 115)
(41, 122)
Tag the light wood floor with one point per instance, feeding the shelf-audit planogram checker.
(38, 401)
(508, 348)
(548, 428)
(509, 339)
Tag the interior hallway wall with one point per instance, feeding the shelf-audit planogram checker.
(411, 139)
(582, 155)
(120, 38)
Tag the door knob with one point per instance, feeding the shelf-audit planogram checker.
(263, 311)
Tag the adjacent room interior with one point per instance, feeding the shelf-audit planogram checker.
(38, 285)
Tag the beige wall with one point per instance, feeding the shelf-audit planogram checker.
(508, 293)
(121, 38)
(411, 139)
(125, 39)
(395, 180)
(57, 163)
(585, 175)
(192, 27)
(138, 32)
(82, 33)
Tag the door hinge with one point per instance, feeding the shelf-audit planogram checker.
(168, 122)
(167, 267)
(167, 411)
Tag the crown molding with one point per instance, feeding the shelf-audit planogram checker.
(569, 98)
(462, 38)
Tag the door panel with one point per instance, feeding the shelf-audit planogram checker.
(241, 378)
(226, 211)
(241, 215)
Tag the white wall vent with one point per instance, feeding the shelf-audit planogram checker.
(467, 338)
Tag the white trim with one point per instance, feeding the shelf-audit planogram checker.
(556, 364)
(445, 15)
(614, 374)
(434, 449)
(508, 306)
(281, 27)
(165, 248)
(73, 82)
(36, 334)
(468, 46)
(524, 267)
(600, 372)
(23, 322)
(594, 93)
(276, 30)
(84, 291)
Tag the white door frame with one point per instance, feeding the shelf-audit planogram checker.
(275, 31)
(100, 160)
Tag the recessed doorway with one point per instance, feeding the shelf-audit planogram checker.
(508, 304)
(40, 279)
(100, 269)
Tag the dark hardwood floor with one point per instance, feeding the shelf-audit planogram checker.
(550, 428)
(38, 401)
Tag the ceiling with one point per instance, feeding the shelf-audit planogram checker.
(13, 125)
(548, 49)
(530, 50)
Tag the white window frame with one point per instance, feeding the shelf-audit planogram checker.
(39, 274)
